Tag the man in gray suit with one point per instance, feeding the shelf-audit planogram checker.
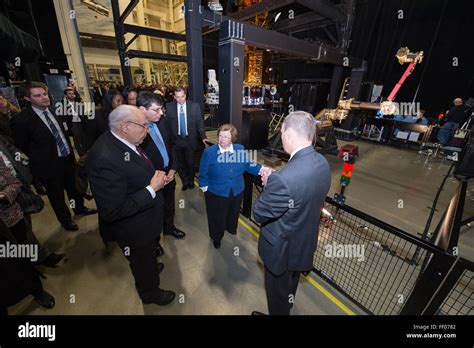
(289, 209)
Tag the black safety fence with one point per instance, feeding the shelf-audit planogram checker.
(387, 271)
(468, 213)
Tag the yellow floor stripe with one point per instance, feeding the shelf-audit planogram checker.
(313, 282)
(249, 228)
(330, 296)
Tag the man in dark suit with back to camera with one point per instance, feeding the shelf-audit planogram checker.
(187, 126)
(128, 192)
(42, 136)
(289, 209)
(159, 149)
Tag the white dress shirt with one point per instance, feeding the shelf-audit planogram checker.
(134, 149)
(298, 149)
(71, 107)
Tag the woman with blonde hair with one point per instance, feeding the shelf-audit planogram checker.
(222, 181)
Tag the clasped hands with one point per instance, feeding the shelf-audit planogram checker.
(160, 179)
(265, 173)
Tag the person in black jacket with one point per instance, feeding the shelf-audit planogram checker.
(76, 119)
(17, 162)
(128, 192)
(100, 124)
(187, 128)
(41, 135)
(455, 117)
(160, 150)
(19, 277)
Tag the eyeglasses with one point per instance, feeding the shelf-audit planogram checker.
(157, 109)
(225, 136)
(144, 126)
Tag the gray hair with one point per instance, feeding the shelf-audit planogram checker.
(457, 101)
(303, 123)
(119, 114)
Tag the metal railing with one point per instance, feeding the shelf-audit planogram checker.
(468, 213)
(460, 299)
(382, 269)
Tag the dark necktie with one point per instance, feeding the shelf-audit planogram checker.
(63, 148)
(144, 156)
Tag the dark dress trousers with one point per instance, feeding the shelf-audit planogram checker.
(185, 147)
(56, 173)
(118, 178)
(289, 210)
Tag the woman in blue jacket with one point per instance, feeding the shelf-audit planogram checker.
(222, 181)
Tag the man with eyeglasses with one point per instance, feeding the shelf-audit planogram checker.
(128, 192)
(158, 147)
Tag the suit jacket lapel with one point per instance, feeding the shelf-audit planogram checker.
(188, 114)
(39, 124)
(133, 155)
(174, 118)
(164, 132)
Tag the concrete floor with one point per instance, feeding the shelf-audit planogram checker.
(207, 281)
(95, 280)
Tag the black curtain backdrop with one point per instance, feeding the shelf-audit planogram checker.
(378, 34)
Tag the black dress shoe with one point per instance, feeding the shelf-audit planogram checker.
(257, 313)
(184, 188)
(191, 186)
(70, 226)
(86, 211)
(52, 260)
(178, 234)
(45, 300)
(217, 244)
(160, 267)
(163, 298)
(160, 251)
(232, 232)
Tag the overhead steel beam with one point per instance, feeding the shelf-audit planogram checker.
(325, 8)
(272, 40)
(304, 19)
(135, 29)
(128, 10)
(321, 24)
(155, 55)
(329, 34)
(131, 40)
(264, 5)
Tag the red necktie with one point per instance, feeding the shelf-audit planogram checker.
(144, 156)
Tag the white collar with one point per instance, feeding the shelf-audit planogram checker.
(298, 149)
(230, 149)
(125, 141)
(39, 111)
